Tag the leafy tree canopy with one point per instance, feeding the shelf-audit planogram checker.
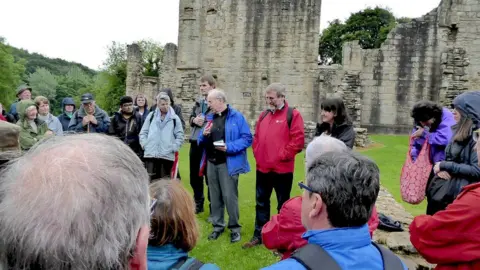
(369, 26)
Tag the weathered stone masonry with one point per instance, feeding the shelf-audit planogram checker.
(247, 44)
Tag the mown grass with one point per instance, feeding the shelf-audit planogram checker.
(389, 153)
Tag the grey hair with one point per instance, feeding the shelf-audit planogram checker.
(348, 184)
(323, 144)
(73, 202)
(279, 88)
(218, 94)
(163, 96)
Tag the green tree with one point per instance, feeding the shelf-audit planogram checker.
(330, 40)
(369, 26)
(11, 71)
(71, 84)
(44, 84)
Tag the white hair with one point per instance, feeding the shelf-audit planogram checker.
(163, 96)
(322, 144)
(73, 202)
(218, 94)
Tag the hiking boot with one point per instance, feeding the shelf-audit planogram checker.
(199, 209)
(235, 237)
(214, 235)
(255, 241)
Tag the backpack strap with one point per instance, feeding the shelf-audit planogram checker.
(390, 260)
(314, 257)
(174, 121)
(187, 263)
(290, 116)
(265, 113)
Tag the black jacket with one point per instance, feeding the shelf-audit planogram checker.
(344, 132)
(127, 130)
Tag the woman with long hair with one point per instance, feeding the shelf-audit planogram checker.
(336, 122)
(174, 229)
(460, 167)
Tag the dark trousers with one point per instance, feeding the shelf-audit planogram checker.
(197, 181)
(265, 183)
(158, 168)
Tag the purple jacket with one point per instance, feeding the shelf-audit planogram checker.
(437, 140)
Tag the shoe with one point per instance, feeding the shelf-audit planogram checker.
(255, 241)
(235, 237)
(214, 235)
(199, 210)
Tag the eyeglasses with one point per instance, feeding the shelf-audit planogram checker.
(152, 206)
(303, 186)
(126, 105)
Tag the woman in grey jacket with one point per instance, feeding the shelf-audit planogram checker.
(161, 137)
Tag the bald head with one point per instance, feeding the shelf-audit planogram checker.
(73, 200)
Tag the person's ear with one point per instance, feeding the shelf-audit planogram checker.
(317, 205)
(139, 259)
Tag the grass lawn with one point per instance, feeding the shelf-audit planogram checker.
(389, 156)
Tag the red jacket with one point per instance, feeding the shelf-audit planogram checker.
(284, 231)
(274, 144)
(451, 238)
(2, 117)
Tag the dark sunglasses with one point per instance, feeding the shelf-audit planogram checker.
(307, 188)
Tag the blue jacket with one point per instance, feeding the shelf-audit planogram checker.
(351, 248)
(164, 257)
(237, 139)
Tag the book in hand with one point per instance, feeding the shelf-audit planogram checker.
(220, 143)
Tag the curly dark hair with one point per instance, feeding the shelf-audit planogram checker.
(425, 110)
(336, 106)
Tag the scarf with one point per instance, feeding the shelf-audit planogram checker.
(33, 125)
(44, 118)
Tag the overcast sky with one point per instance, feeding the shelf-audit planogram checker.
(80, 30)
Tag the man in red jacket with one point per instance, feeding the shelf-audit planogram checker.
(279, 137)
(451, 238)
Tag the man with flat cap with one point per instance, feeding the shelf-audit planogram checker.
(89, 118)
(23, 92)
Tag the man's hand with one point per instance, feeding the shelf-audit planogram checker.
(93, 120)
(444, 175)
(221, 148)
(199, 120)
(86, 120)
(49, 132)
(436, 168)
(207, 130)
(418, 133)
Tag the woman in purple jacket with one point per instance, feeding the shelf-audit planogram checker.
(432, 122)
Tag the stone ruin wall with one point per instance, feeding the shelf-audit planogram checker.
(434, 57)
(136, 83)
(246, 45)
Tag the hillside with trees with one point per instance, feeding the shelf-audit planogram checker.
(58, 78)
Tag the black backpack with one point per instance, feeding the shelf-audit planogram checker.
(174, 120)
(314, 257)
(289, 116)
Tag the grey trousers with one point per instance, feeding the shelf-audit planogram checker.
(223, 190)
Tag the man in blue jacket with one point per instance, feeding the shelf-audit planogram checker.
(339, 194)
(225, 139)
